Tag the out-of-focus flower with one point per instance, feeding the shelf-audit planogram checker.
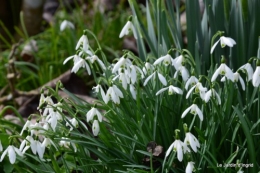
(1, 147)
(223, 42)
(66, 24)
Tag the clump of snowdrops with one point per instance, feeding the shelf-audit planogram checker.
(194, 117)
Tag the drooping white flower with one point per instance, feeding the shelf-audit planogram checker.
(133, 91)
(191, 140)
(223, 42)
(193, 109)
(74, 123)
(191, 81)
(211, 93)
(92, 112)
(160, 76)
(94, 58)
(47, 142)
(114, 94)
(26, 126)
(179, 147)
(190, 167)
(65, 142)
(120, 64)
(12, 151)
(198, 89)
(66, 24)
(225, 71)
(95, 128)
(184, 73)
(171, 89)
(178, 62)
(238, 77)
(98, 89)
(249, 70)
(256, 77)
(127, 28)
(167, 59)
(148, 68)
(84, 41)
(81, 63)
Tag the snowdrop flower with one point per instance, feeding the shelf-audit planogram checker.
(191, 140)
(172, 89)
(121, 64)
(167, 59)
(179, 147)
(191, 81)
(92, 112)
(95, 128)
(223, 70)
(190, 167)
(249, 69)
(26, 126)
(238, 77)
(66, 24)
(211, 93)
(47, 142)
(178, 62)
(64, 142)
(193, 109)
(148, 68)
(223, 42)
(12, 151)
(35, 145)
(184, 73)
(160, 76)
(256, 77)
(133, 91)
(127, 28)
(81, 63)
(94, 58)
(75, 58)
(198, 89)
(74, 123)
(53, 119)
(98, 89)
(114, 94)
(84, 41)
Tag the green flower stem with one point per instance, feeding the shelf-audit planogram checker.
(15, 112)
